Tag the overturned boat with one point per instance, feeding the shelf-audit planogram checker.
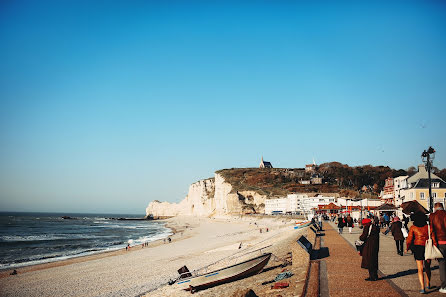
(224, 275)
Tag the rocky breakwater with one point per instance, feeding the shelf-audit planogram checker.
(212, 196)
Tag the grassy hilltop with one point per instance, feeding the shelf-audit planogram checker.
(338, 178)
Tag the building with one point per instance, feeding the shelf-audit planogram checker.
(316, 179)
(416, 187)
(292, 203)
(265, 164)
(365, 203)
(296, 203)
(387, 195)
(420, 191)
(422, 173)
(399, 184)
(310, 167)
(309, 204)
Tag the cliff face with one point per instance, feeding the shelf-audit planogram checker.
(213, 196)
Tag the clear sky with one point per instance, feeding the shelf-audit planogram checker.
(107, 105)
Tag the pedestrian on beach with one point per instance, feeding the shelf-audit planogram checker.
(438, 225)
(370, 236)
(398, 235)
(350, 223)
(416, 241)
(340, 224)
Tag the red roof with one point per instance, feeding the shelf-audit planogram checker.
(328, 206)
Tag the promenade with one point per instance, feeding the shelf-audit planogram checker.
(397, 275)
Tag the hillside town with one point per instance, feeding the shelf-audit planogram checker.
(396, 191)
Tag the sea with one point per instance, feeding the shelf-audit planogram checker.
(34, 238)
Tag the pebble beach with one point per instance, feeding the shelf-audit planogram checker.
(145, 271)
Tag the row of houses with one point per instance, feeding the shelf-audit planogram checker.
(396, 191)
(416, 187)
(305, 203)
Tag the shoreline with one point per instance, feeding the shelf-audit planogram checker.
(5, 272)
(196, 242)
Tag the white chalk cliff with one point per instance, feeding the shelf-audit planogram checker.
(208, 197)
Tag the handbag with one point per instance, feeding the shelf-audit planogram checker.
(431, 251)
(359, 244)
(404, 231)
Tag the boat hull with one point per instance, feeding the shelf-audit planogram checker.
(225, 275)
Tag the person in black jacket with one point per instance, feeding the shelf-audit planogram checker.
(341, 224)
(398, 235)
(349, 222)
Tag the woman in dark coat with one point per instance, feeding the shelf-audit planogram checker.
(397, 235)
(371, 249)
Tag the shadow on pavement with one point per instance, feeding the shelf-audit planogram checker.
(405, 272)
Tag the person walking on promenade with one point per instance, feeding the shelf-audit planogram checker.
(386, 220)
(340, 224)
(370, 236)
(349, 222)
(398, 235)
(416, 241)
(381, 221)
(438, 225)
(320, 221)
(406, 221)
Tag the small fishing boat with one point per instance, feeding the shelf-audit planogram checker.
(302, 224)
(223, 275)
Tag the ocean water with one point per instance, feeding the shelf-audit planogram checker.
(33, 238)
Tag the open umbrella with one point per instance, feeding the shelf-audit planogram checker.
(413, 207)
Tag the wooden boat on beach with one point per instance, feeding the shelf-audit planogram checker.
(302, 224)
(224, 275)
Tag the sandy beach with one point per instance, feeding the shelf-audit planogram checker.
(146, 271)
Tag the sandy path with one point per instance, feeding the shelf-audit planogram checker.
(143, 269)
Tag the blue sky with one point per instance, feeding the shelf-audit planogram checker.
(107, 105)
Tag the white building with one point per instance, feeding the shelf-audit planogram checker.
(290, 204)
(366, 202)
(399, 185)
(310, 203)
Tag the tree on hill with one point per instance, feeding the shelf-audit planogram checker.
(442, 174)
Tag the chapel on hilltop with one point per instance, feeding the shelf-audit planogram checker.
(265, 164)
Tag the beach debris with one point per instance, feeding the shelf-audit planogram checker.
(280, 285)
(244, 293)
(14, 272)
(283, 275)
(184, 272)
(280, 276)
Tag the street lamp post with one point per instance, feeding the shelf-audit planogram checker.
(428, 156)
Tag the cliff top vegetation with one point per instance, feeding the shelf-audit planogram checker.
(337, 178)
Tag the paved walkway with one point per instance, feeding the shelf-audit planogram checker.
(397, 271)
(344, 273)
